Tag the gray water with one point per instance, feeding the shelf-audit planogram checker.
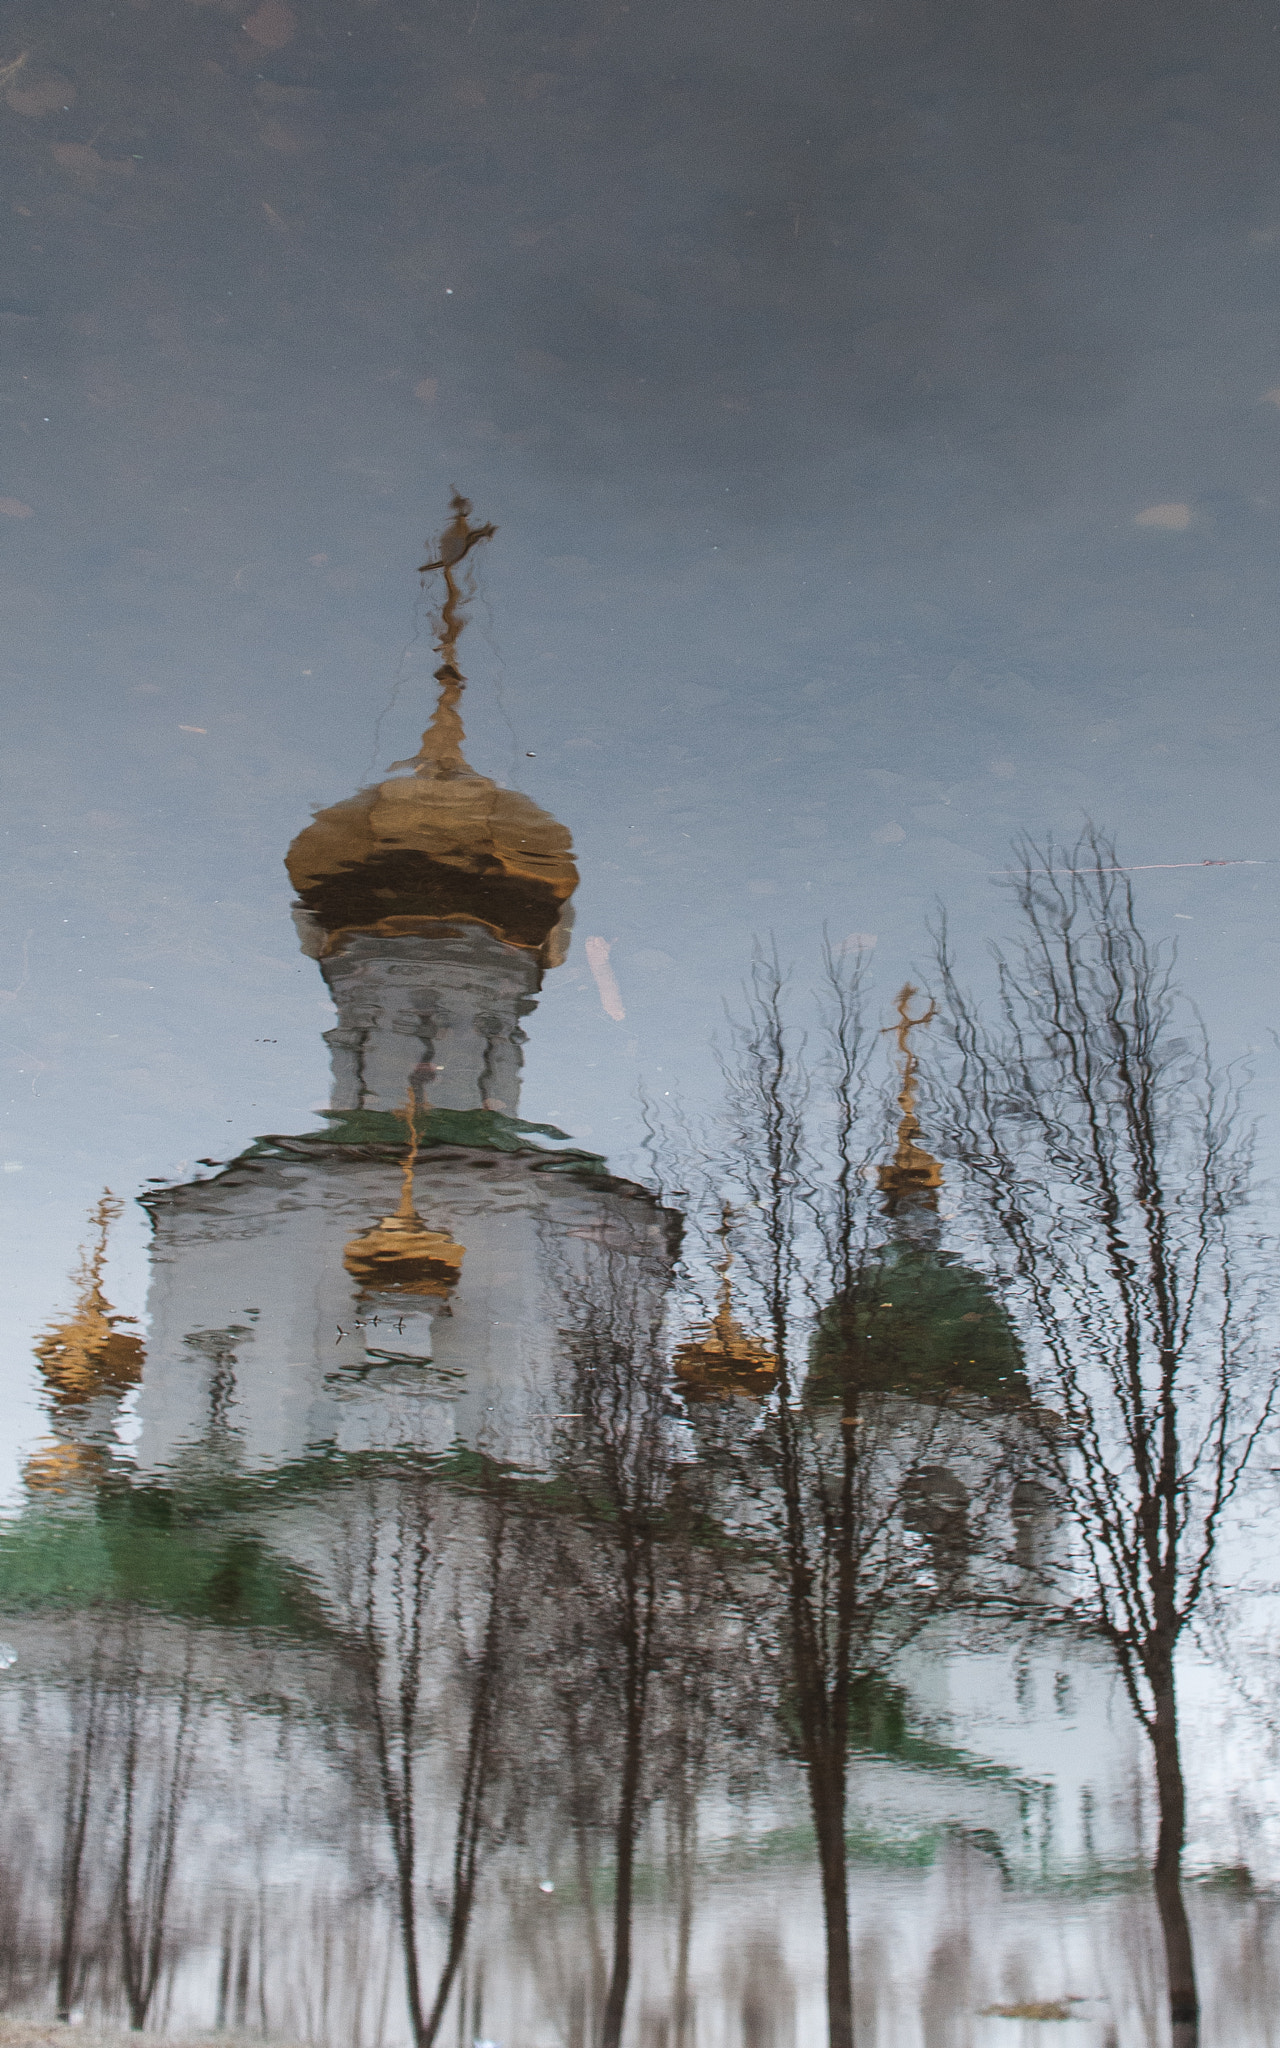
(651, 1486)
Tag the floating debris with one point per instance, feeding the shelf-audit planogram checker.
(1033, 2009)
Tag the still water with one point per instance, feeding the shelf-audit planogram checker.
(641, 1362)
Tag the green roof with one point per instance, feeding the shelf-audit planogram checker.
(484, 1130)
(917, 1322)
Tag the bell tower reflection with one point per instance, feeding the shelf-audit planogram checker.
(434, 901)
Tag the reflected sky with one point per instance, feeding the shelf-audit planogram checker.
(821, 370)
(879, 411)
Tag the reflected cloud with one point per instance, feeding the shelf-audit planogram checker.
(1171, 518)
(598, 951)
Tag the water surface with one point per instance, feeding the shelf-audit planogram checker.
(601, 1474)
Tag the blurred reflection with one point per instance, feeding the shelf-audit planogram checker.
(434, 902)
(721, 1357)
(413, 1568)
(88, 1354)
(460, 1627)
(1114, 1165)
(880, 1469)
(399, 1256)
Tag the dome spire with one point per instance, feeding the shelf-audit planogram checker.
(87, 1353)
(443, 843)
(441, 749)
(400, 1255)
(913, 1176)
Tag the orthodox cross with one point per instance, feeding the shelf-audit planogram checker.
(442, 742)
(902, 1031)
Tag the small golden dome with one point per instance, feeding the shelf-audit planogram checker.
(64, 1467)
(441, 842)
(400, 1255)
(88, 1353)
(721, 1357)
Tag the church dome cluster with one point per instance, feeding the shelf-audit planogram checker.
(434, 901)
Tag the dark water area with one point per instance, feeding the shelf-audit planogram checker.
(640, 1363)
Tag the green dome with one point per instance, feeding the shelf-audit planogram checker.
(918, 1323)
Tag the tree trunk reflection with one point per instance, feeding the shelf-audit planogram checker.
(1114, 1169)
(850, 1468)
(393, 1603)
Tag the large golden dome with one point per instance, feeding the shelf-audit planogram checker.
(442, 841)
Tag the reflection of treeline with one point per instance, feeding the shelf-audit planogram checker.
(1104, 1158)
(1110, 1161)
(363, 1563)
(878, 1475)
(103, 1859)
(561, 1658)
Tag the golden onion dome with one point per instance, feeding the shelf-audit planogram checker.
(87, 1352)
(400, 1255)
(441, 842)
(721, 1357)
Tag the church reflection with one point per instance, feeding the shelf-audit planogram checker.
(441, 1635)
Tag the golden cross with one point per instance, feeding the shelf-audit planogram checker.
(906, 1024)
(458, 538)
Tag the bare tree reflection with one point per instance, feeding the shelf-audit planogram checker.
(395, 1595)
(620, 1478)
(1114, 1166)
(156, 1765)
(856, 1463)
(637, 1649)
(20, 1948)
(88, 1708)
